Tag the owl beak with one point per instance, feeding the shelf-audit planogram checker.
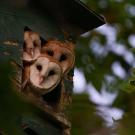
(30, 52)
(41, 80)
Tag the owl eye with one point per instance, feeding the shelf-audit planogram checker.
(34, 44)
(51, 73)
(63, 58)
(50, 52)
(39, 67)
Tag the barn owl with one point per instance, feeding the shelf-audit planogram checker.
(32, 46)
(62, 52)
(43, 75)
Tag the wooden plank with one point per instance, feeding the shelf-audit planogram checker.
(11, 42)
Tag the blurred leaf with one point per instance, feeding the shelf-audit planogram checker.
(83, 117)
(13, 107)
(126, 126)
(128, 86)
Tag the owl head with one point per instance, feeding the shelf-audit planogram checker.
(32, 46)
(63, 52)
(45, 74)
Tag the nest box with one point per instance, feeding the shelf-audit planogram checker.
(59, 19)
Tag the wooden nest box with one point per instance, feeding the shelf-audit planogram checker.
(38, 37)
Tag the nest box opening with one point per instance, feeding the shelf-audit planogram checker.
(43, 73)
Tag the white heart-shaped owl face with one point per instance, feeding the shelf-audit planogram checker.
(45, 74)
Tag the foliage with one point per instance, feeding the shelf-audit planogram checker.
(8, 104)
(119, 16)
(14, 110)
(82, 116)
